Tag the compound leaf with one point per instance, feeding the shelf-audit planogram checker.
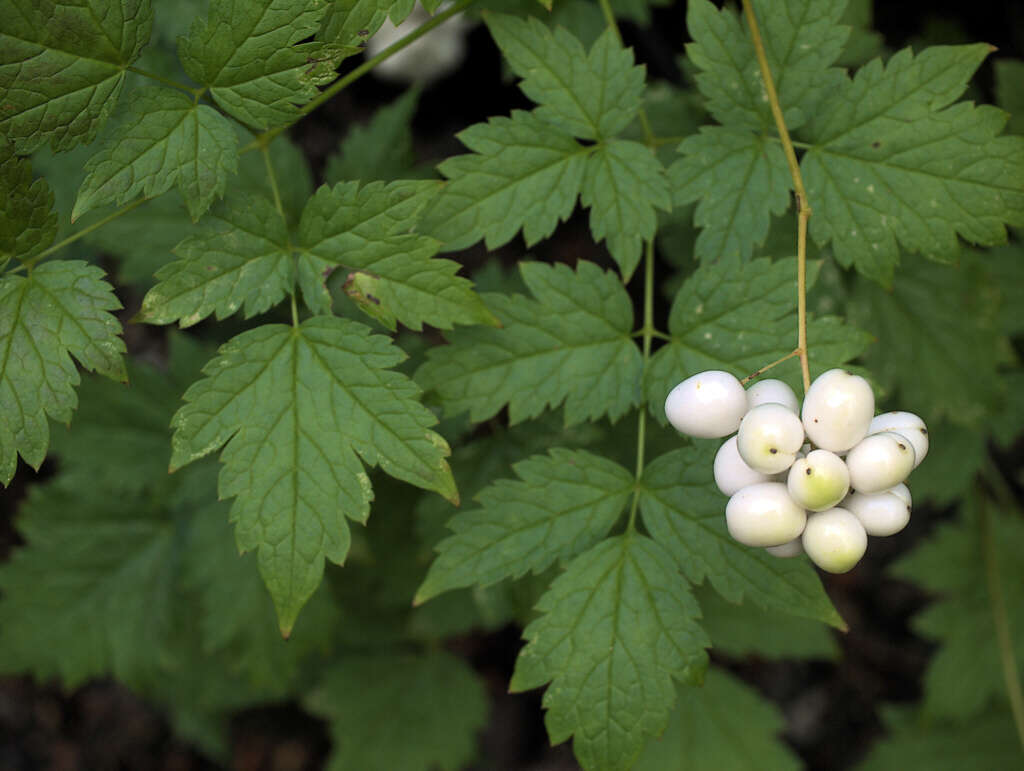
(61, 309)
(723, 724)
(571, 344)
(561, 505)
(162, 138)
(897, 169)
(592, 96)
(240, 259)
(249, 55)
(685, 513)
(28, 223)
(738, 179)
(737, 318)
(394, 275)
(962, 563)
(297, 408)
(62, 66)
(618, 626)
(416, 712)
(802, 38)
(622, 184)
(523, 174)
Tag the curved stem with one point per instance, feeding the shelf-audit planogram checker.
(342, 83)
(766, 367)
(803, 209)
(648, 335)
(85, 231)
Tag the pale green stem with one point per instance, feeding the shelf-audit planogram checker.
(803, 209)
(766, 367)
(166, 81)
(84, 232)
(648, 334)
(272, 179)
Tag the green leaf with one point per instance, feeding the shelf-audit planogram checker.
(91, 593)
(939, 346)
(571, 344)
(350, 23)
(898, 169)
(592, 96)
(724, 724)
(685, 513)
(1009, 74)
(240, 259)
(738, 317)
(955, 455)
(523, 174)
(562, 504)
(298, 407)
(249, 56)
(960, 563)
(382, 149)
(61, 309)
(622, 184)
(747, 630)
(802, 38)
(387, 711)
(618, 627)
(162, 139)
(984, 742)
(739, 179)
(28, 224)
(393, 275)
(62, 66)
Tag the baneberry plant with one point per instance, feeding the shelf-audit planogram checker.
(402, 455)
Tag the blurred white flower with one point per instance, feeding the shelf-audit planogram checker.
(428, 58)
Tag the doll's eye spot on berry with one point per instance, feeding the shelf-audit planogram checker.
(773, 450)
(808, 472)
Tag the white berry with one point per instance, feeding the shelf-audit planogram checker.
(879, 462)
(837, 410)
(909, 425)
(764, 515)
(731, 473)
(708, 405)
(835, 540)
(772, 392)
(884, 513)
(819, 481)
(769, 438)
(792, 549)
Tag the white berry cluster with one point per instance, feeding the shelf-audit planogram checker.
(820, 479)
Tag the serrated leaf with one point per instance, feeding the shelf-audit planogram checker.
(350, 23)
(61, 309)
(28, 223)
(393, 272)
(300, 410)
(984, 742)
(802, 38)
(561, 505)
(940, 345)
(618, 628)
(387, 711)
(739, 180)
(685, 513)
(90, 595)
(738, 317)
(240, 260)
(249, 55)
(162, 139)
(62, 66)
(740, 631)
(523, 174)
(622, 184)
(895, 168)
(589, 95)
(960, 563)
(571, 344)
(723, 724)
(382, 149)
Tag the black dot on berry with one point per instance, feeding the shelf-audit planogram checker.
(815, 420)
(902, 446)
(773, 451)
(808, 472)
(924, 430)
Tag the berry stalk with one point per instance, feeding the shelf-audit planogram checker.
(803, 209)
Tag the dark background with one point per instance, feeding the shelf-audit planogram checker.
(831, 708)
